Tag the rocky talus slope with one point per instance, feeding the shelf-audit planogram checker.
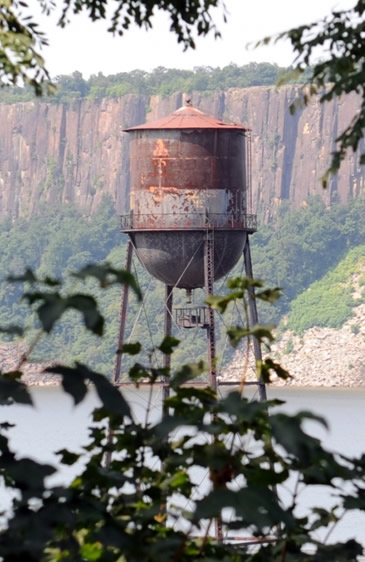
(11, 359)
(319, 357)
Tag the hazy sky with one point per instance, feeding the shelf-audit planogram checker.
(87, 47)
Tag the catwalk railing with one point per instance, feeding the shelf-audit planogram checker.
(196, 221)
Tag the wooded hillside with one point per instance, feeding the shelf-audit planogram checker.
(299, 248)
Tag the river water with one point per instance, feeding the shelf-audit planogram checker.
(55, 424)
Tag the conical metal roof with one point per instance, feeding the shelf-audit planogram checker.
(187, 117)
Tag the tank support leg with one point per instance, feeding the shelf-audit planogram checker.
(253, 313)
(122, 317)
(120, 341)
(257, 347)
(168, 325)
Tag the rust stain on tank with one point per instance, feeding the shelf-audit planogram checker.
(189, 172)
(160, 156)
(160, 149)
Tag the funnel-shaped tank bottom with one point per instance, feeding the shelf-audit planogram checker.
(177, 257)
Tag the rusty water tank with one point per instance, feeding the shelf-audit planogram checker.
(188, 173)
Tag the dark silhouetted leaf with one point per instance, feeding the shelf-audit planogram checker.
(12, 330)
(107, 275)
(168, 345)
(87, 306)
(12, 390)
(27, 277)
(73, 381)
(67, 457)
(130, 348)
(187, 373)
(269, 295)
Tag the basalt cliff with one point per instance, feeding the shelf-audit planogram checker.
(76, 152)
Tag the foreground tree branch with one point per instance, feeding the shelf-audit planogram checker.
(339, 38)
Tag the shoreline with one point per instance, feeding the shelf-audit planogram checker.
(52, 383)
(306, 368)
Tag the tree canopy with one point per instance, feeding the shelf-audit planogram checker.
(21, 38)
(161, 81)
(299, 248)
(340, 70)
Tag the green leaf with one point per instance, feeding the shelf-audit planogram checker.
(138, 372)
(340, 552)
(244, 283)
(91, 552)
(257, 506)
(111, 398)
(67, 457)
(87, 306)
(11, 390)
(264, 369)
(187, 373)
(236, 404)
(221, 303)
(52, 306)
(261, 333)
(168, 345)
(288, 432)
(130, 348)
(107, 275)
(73, 381)
(29, 473)
(51, 310)
(12, 330)
(269, 295)
(236, 334)
(27, 277)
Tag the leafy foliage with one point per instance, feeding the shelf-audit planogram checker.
(303, 245)
(139, 504)
(161, 81)
(298, 249)
(21, 39)
(339, 71)
(20, 44)
(185, 17)
(328, 302)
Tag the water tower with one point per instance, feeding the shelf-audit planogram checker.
(190, 213)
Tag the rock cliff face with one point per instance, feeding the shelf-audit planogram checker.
(78, 151)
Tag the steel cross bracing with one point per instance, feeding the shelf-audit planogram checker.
(122, 317)
(209, 325)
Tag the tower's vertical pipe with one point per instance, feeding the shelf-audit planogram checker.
(123, 316)
(253, 313)
(249, 173)
(168, 325)
(208, 282)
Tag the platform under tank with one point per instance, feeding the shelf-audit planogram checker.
(189, 175)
